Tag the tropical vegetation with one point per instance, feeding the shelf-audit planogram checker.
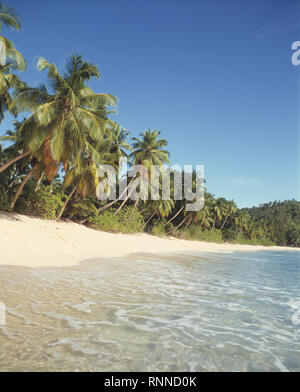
(63, 132)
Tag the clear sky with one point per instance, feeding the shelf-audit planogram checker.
(214, 76)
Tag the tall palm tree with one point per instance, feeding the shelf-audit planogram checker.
(216, 215)
(84, 181)
(65, 122)
(116, 143)
(147, 151)
(228, 209)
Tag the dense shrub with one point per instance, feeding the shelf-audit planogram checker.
(161, 228)
(131, 220)
(127, 221)
(80, 209)
(43, 203)
(246, 241)
(4, 200)
(105, 221)
(195, 232)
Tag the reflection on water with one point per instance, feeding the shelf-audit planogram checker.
(148, 313)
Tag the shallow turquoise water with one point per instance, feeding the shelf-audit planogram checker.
(183, 312)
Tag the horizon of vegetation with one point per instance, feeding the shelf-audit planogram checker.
(50, 167)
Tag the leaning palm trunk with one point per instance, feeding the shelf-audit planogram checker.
(189, 222)
(21, 187)
(135, 205)
(16, 159)
(149, 219)
(224, 221)
(115, 201)
(170, 220)
(66, 202)
(121, 206)
(38, 185)
(177, 227)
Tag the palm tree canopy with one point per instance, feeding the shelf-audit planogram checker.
(9, 17)
(162, 208)
(66, 121)
(8, 81)
(148, 150)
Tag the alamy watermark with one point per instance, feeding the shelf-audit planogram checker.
(296, 55)
(2, 314)
(153, 183)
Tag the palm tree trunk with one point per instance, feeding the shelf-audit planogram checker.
(170, 220)
(121, 206)
(21, 187)
(16, 159)
(66, 202)
(135, 205)
(39, 182)
(149, 219)
(189, 222)
(115, 201)
(224, 221)
(177, 227)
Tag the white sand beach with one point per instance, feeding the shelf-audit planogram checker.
(33, 242)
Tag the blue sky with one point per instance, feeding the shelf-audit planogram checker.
(214, 77)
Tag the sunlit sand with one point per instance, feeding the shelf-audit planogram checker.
(35, 242)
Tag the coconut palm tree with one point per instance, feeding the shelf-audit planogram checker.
(65, 122)
(216, 215)
(160, 208)
(147, 151)
(116, 143)
(84, 180)
(228, 209)
(202, 216)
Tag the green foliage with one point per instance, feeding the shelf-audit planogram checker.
(196, 232)
(4, 200)
(241, 239)
(131, 220)
(80, 209)
(128, 221)
(43, 203)
(105, 221)
(161, 228)
(280, 221)
(68, 133)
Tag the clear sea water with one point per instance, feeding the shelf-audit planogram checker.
(183, 312)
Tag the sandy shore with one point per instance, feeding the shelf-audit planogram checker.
(33, 242)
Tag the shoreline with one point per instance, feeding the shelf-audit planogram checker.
(34, 242)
